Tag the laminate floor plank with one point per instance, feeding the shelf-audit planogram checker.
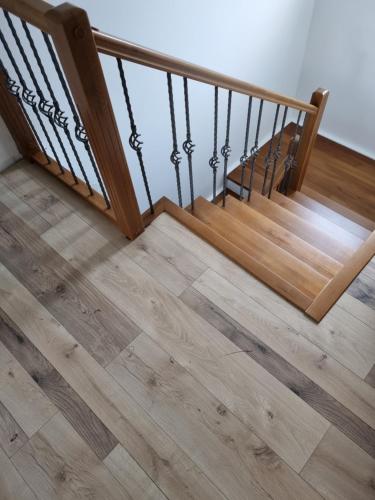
(340, 334)
(133, 479)
(73, 300)
(357, 309)
(159, 456)
(192, 416)
(12, 437)
(340, 470)
(256, 346)
(74, 409)
(12, 485)
(238, 382)
(370, 378)
(58, 464)
(363, 289)
(21, 396)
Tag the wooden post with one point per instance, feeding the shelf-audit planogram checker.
(310, 131)
(16, 122)
(74, 43)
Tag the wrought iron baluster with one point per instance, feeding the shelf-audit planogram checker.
(26, 95)
(14, 89)
(290, 162)
(45, 107)
(244, 158)
(268, 158)
(79, 130)
(188, 145)
(214, 160)
(175, 155)
(58, 116)
(254, 152)
(226, 150)
(134, 141)
(277, 151)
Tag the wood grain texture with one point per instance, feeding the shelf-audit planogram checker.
(154, 378)
(336, 287)
(291, 370)
(363, 289)
(12, 436)
(357, 309)
(74, 409)
(171, 469)
(100, 326)
(339, 469)
(57, 464)
(12, 485)
(171, 324)
(370, 378)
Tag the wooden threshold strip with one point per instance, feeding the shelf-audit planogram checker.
(80, 187)
(337, 286)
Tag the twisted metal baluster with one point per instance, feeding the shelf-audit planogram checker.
(79, 130)
(58, 116)
(134, 141)
(44, 106)
(267, 160)
(254, 152)
(14, 89)
(277, 151)
(290, 162)
(188, 145)
(27, 96)
(175, 155)
(244, 158)
(214, 160)
(226, 150)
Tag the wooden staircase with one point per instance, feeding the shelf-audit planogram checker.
(307, 253)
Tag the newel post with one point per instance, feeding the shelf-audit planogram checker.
(75, 45)
(310, 130)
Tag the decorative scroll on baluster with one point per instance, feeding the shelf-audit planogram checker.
(134, 141)
(290, 161)
(268, 158)
(277, 151)
(188, 145)
(58, 116)
(245, 158)
(254, 152)
(175, 155)
(226, 150)
(79, 130)
(214, 160)
(14, 89)
(45, 107)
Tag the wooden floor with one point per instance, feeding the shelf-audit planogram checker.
(159, 369)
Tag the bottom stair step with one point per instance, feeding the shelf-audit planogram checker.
(280, 270)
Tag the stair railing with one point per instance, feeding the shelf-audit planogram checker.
(73, 47)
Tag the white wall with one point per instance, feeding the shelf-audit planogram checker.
(262, 42)
(340, 56)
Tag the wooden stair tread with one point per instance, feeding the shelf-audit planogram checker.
(342, 216)
(235, 176)
(283, 238)
(282, 264)
(309, 232)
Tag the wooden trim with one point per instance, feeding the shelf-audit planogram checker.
(337, 286)
(237, 255)
(72, 36)
(16, 122)
(117, 47)
(310, 130)
(32, 11)
(159, 208)
(80, 188)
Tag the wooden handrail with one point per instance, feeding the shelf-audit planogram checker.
(32, 11)
(113, 46)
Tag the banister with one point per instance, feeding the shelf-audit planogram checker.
(32, 11)
(113, 46)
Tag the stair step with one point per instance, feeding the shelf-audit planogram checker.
(283, 238)
(283, 267)
(335, 212)
(335, 242)
(258, 177)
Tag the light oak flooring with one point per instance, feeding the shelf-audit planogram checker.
(158, 369)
